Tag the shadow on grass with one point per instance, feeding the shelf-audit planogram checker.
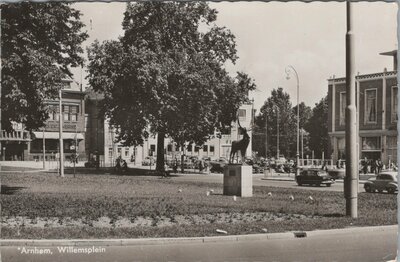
(334, 215)
(10, 190)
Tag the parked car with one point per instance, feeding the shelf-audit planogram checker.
(217, 166)
(314, 177)
(148, 161)
(383, 181)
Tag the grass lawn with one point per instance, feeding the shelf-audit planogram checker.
(105, 206)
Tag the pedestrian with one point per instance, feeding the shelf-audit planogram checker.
(379, 165)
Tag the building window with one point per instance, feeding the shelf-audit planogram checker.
(371, 143)
(189, 148)
(212, 150)
(196, 149)
(370, 106)
(66, 112)
(242, 114)
(119, 151)
(205, 148)
(110, 151)
(126, 152)
(169, 147)
(153, 148)
(342, 112)
(341, 146)
(74, 110)
(394, 104)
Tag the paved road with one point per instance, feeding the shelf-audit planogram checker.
(258, 181)
(377, 244)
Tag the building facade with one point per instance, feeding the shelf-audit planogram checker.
(22, 145)
(377, 102)
(217, 146)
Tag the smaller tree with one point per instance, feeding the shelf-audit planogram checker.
(277, 110)
(317, 127)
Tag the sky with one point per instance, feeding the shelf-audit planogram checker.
(271, 36)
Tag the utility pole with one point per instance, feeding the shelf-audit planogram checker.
(266, 136)
(277, 140)
(44, 150)
(351, 179)
(61, 153)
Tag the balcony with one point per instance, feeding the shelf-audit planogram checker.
(19, 135)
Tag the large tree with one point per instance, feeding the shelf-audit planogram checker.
(166, 75)
(317, 127)
(277, 110)
(39, 42)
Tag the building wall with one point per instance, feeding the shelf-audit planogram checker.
(376, 139)
(214, 148)
(72, 96)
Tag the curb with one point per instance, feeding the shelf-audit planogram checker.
(191, 240)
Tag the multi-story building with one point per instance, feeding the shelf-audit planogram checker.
(24, 145)
(217, 146)
(376, 99)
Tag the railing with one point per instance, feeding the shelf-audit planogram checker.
(19, 135)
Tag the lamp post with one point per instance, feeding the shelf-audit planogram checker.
(351, 179)
(288, 70)
(61, 147)
(277, 132)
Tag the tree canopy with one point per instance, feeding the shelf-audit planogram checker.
(317, 127)
(278, 104)
(39, 42)
(166, 74)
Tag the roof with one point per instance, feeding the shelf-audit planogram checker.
(389, 53)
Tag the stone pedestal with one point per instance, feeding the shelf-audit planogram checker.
(238, 180)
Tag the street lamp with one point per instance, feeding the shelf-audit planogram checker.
(277, 131)
(288, 70)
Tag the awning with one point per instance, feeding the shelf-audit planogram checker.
(55, 135)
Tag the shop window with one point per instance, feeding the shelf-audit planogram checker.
(391, 145)
(394, 104)
(370, 106)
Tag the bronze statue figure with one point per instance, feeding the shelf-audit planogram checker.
(240, 145)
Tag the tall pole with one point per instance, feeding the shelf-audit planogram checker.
(61, 153)
(44, 150)
(351, 179)
(298, 115)
(266, 136)
(277, 140)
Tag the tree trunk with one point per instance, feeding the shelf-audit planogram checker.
(160, 152)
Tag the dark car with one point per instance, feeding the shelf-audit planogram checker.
(314, 177)
(217, 166)
(384, 181)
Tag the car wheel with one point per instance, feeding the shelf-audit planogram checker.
(390, 190)
(328, 185)
(368, 188)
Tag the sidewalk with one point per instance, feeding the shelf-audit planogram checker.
(198, 240)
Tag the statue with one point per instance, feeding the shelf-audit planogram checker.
(240, 145)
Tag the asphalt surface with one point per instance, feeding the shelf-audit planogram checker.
(284, 181)
(353, 244)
